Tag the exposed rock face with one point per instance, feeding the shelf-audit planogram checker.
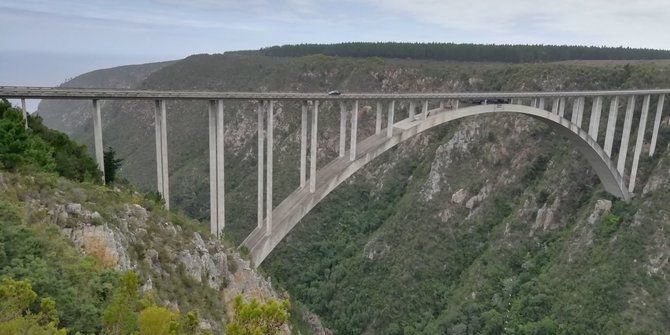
(164, 248)
(459, 196)
(104, 243)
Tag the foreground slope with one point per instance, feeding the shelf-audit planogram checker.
(489, 225)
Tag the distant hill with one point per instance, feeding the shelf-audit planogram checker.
(507, 53)
(69, 116)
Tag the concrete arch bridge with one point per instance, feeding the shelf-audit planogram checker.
(564, 112)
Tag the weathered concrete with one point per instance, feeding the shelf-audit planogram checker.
(354, 131)
(594, 124)
(25, 112)
(577, 111)
(164, 155)
(343, 129)
(625, 135)
(378, 119)
(213, 198)
(554, 105)
(424, 110)
(541, 104)
(299, 203)
(411, 110)
(313, 148)
(261, 163)
(303, 144)
(159, 158)
(97, 138)
(389, 119)
(657, 124)
(561, 106)
(268, 167)
(639, 142)
(611, 125)
(220, 189)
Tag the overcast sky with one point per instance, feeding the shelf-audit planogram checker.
(44, 42)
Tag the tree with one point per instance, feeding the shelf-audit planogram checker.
(155, 320)
(112, 165)
(120, 317)
(254, 318)
(18, 146)
(15, 317)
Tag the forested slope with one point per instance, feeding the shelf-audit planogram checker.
(487, 225)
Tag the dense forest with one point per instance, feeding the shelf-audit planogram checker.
(508, 53)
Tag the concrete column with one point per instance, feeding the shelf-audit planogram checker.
(456, 103)
(213, 199)
(343, 128)
(354, 131)
(410, 113)
(220, 190)
(594, 125)
(639, 142)
(164, 155)
(541, 105)
(533, 103)
(389, 119)
(657, 123)
(25, 112)
(554, 106)
(424, 111)
(611, 125)
(577, 111)
(268, 170)
(441, 104)
(261, 160)
(378, 121)
(561, 107)
(97, 138)
(623, 149)
(312, 162)
(303, 145)
(159, 151)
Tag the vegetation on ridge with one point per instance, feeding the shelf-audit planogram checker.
(508, 53)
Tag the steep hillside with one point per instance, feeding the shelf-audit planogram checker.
(72, 240)
(489, 225)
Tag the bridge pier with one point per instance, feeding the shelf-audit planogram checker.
(378, 120)
(313, 148)
(97, 139)
(216, 172)
(611, 125)
(541, 104)
(625, 135)
(411, 110)
(594, 124)
(554, 106)
(561, 107)
(303, 144)
(343, 128)
(25, 112)
(268, 169)
(354, 131)
(160, 120)
(577, 111)
(657, 123)
(389, 119)
(639, 142)
(424, 111)
(261, 159)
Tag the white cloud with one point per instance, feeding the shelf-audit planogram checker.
(612, 22)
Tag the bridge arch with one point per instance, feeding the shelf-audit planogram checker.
(290, 211)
